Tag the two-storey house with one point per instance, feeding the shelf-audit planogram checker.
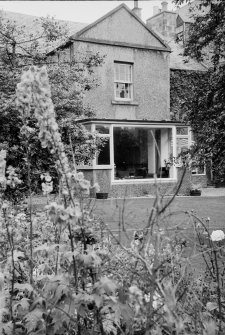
(131, 105)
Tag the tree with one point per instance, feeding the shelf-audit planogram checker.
(69, 81)
(205, 111)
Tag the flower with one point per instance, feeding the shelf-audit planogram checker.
(195, 187)
(96, 187)
(217, 235)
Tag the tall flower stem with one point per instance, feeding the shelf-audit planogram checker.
(30, 212)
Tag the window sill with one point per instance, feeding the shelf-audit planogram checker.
(125, 102)
(143, 181)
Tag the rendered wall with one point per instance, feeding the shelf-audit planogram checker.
(150, 83)
(121, 26)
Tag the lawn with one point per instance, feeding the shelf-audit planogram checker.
(135, 212)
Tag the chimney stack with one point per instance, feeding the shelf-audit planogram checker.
(156, 10)
(136, 10)
(164, 6)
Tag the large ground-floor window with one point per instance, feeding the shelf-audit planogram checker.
(141, 153)
(136, 150)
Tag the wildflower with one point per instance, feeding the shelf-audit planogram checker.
(47, 185)
(34, 90)
(217, 235)
(85, 186)
(47, 188)
(80, 175)
(12, 177)
(96, 187)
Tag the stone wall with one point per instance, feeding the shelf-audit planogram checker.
(163, 23)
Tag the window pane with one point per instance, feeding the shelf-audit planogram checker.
(123, 91)
(127, 91)
(117, 72)
(131, 153)
(182, 145)
(88, 127)
(102, 129)
(103, 158)
(182, 130)
(123, 72)
(136, 155)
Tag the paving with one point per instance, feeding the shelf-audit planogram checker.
(213, 192)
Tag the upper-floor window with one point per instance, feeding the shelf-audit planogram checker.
(123, 81)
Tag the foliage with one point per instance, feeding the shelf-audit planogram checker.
(201, 96)
(207, 32)
(60, 274)
(69, 81)
(183, 85)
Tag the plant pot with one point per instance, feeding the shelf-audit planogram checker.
(101, 195)
(195, 192)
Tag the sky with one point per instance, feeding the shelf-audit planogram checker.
(78, 11)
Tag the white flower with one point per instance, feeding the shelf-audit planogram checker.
(96, 187)
(217, 235)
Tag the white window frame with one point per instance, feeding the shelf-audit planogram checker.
(145, 180)
(111, 146)
(183, 136)
(195, 169)
(119, 81)
(109, 136)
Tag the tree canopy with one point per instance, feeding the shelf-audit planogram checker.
(69, 79)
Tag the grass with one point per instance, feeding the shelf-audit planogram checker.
(134, 213)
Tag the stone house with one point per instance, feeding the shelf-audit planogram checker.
(132, 106)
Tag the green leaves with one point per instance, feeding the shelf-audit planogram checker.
(34, 321)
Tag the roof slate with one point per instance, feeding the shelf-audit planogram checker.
(188, 11)
(180, 62)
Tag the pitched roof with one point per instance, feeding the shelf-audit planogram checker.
(74, 28)
(188, 11)
(180, 62)
(185, 14)
(131, 13)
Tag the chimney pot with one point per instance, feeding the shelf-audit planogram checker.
(164, 5)
(136, 10)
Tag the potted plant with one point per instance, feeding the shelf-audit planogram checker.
(101, 195)
(196, 190)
